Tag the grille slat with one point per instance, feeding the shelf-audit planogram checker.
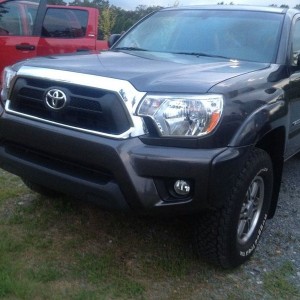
(88, 108)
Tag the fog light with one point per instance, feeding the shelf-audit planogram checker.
(182, 187)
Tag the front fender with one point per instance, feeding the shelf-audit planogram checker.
(259, 123)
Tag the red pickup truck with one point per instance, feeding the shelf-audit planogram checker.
(33, 28)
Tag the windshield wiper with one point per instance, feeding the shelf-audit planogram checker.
(129, 49)
(200, 54)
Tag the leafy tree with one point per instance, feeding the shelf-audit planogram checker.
(56, 2)
(77, 3)
(107, 22)
(284, 6)
(125, 19)
(100, 4)
(143, 10)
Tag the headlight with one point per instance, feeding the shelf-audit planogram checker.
(183, 115)
(7, 76)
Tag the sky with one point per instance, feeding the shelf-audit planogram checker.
(132, 4)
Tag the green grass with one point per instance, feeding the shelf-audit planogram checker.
(66, 249)
(11, 186)
(278, 285)
(45, 272)
(106, 271)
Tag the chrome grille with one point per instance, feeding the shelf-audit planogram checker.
(88, 108)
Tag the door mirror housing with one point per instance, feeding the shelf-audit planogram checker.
(113, 39)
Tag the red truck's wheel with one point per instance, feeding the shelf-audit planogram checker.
(228, 236)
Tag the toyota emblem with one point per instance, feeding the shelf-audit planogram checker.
(56, 99)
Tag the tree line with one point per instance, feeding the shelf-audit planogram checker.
(273, 5)
(117, 20)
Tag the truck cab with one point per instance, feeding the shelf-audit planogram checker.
(34, 28)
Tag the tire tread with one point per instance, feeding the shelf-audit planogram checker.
(212, 229)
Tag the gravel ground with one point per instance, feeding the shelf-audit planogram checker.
(280, 242)
(273, 272)
(281, 238)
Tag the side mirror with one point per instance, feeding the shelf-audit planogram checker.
(113, 39)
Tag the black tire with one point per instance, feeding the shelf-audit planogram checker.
(41, 189)
(223, 236)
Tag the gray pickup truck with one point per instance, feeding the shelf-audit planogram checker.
(193, 111)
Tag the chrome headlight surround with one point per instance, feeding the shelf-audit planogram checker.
(7, 78)
(182, 115)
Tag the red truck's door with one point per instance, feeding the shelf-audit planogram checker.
(17, 25)
(68, 29)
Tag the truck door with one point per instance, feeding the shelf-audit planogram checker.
(68, 29)
(17, 25)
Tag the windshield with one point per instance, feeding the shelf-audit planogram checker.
(240, 35)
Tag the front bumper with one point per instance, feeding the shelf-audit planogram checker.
(117, 174)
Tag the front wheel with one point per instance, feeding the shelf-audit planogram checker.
(228, 237)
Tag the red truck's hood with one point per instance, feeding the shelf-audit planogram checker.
(153, 72)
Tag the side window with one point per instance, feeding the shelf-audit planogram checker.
(296, 43)
(65, 23)
(17, 18)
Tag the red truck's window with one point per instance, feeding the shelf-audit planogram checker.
(65, 23)
(17, 18)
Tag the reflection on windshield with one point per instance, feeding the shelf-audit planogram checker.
(240, 35)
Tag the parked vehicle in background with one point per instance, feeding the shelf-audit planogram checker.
(33, 28)
(193, 111)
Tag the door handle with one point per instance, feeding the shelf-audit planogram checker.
(25, 47)
(82, 49)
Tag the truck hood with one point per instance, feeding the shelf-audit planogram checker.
(153, 72)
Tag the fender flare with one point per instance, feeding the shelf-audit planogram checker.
(265, 119)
